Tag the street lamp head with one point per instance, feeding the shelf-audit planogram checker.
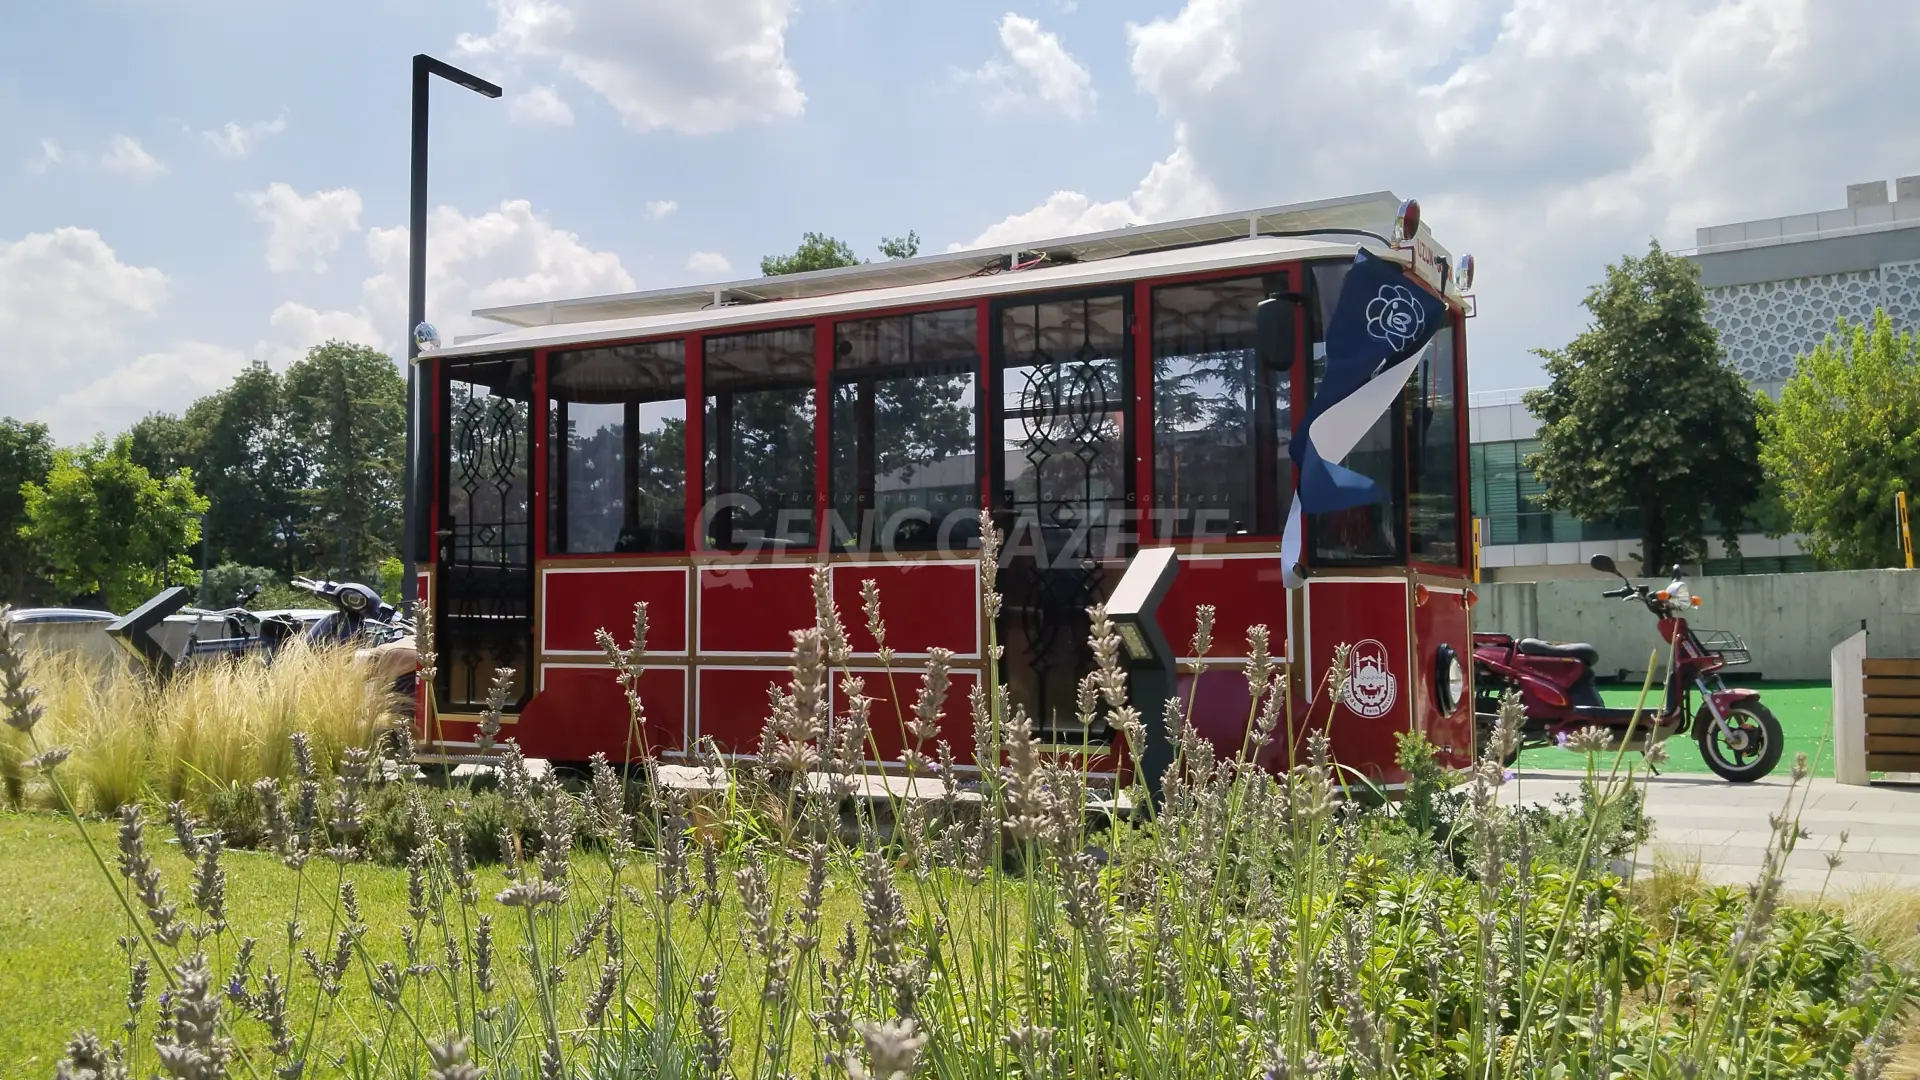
(425, 337)
(424, 63)
(480, 86)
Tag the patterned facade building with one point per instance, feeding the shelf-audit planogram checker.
(1777, 287)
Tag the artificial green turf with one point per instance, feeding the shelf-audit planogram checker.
(1805, 711)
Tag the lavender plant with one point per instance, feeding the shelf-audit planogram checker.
(802, 917)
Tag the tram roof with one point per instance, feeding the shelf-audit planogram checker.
(1193, 245)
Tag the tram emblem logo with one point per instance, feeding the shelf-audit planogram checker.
(1395, 317)
(1371, 687)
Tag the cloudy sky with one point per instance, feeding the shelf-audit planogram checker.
(188, 185)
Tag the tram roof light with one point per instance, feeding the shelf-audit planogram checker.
(1406, 222)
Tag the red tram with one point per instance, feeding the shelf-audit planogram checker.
(704, 449)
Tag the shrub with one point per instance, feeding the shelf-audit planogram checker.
(1251, 925)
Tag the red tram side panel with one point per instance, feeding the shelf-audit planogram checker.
(1363, 717)
(1444, 617)
(578, 602)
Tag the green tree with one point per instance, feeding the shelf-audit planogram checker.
(1844, 439)
(1644, 418)
(26, 457)
(248, 463)
(817, 251)
(900, 247)
(109, 529)
(346, 407)
(239, 444)
(164, 443)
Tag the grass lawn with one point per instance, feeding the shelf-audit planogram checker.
(1805, 710)
(60, 968)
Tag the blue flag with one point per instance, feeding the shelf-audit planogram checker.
(1378, 328)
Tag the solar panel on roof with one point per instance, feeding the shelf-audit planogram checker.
(1370, 211)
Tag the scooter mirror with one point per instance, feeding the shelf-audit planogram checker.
(1604, 564)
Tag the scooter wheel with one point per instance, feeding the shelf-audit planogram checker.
(1753, 750)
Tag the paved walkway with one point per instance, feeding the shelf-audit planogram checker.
(1699, 817)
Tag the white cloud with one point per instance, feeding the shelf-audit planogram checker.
(708, 264)
(234, 140)
(1547, 139)
(126, 156)
(164, 381)
(68, 309)
(694, 68)
(659, 208)
(1172, 189)
(65, 296)
(1036, 66)
(297, 328)
(509, 255)
(49, 156)
(540, 105)
(303, 230)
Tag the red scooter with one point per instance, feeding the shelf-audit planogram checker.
(1738, 736)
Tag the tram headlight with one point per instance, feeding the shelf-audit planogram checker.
(1449, 679)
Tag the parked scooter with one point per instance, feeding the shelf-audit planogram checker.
(1738, 736)
(383, 639)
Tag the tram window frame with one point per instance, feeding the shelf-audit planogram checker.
(1111, 530)
(1429, 546)
(1268, 426)
(897, 348)
(661, 365)
(1325, 278)
(789, 370)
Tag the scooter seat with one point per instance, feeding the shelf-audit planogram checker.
(1580, 651)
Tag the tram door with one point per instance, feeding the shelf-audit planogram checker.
(483, 599)
(1063, 489)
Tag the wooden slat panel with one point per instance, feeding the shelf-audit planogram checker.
(1893, 744)
(1885, 687)
(1880, 665)
(1893, 725)
(1893, 762)
(1893, 706)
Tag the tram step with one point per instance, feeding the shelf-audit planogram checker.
(456, 759)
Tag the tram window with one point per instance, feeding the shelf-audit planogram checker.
(616, 449)
(759, 439)
(1373, 534)
(1064, 419)
(1220, 422)
(904, 430)
(1433, 463)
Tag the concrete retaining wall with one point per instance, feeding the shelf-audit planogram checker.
(1790, 621)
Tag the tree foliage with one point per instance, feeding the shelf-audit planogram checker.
(346, 409)
(1844, 439)
(900, 247)
(1644, 418)
(817, 251)
(109, 529)
(26, 457)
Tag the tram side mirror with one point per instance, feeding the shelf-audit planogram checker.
(1273, 331)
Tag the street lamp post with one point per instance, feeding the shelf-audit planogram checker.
(424, 67)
